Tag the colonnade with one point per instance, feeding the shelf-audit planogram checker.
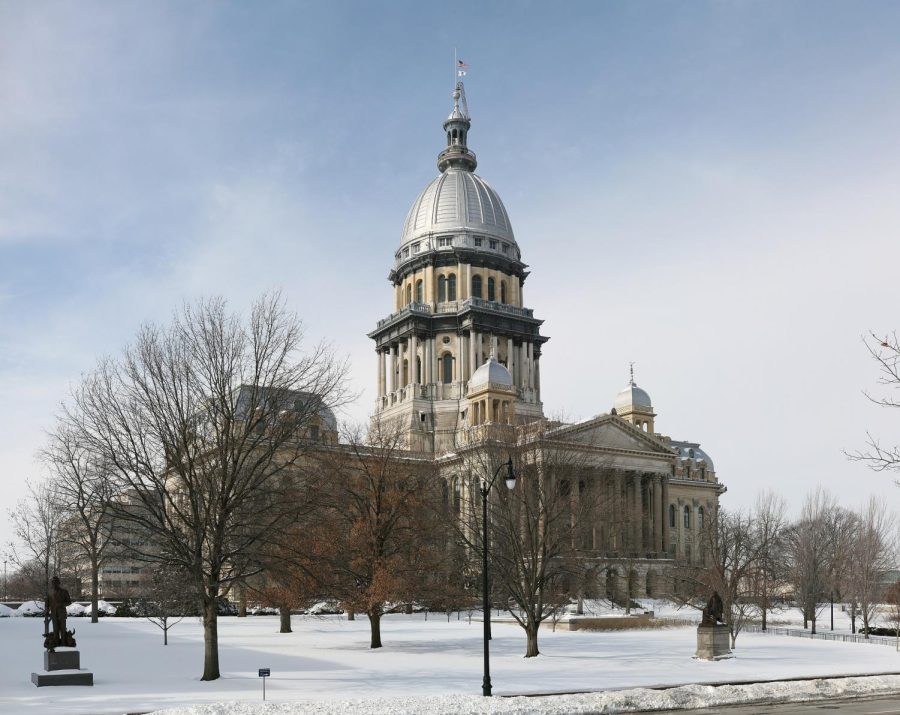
(415, 360)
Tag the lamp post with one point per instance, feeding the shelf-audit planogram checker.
(485, 490)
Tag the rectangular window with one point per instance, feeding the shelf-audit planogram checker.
(415, 247)
(406, 252)
(478, 241)
(506, 248)
(445, 241)
(493, 244)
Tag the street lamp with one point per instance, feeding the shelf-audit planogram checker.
(485, 490)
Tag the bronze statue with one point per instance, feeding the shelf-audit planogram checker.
(713, 612)
(55, 608)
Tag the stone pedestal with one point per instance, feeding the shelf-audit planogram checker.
(713, 642)
(63, 667)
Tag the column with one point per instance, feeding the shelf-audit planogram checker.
(637, 516)
(395, 349)
(509, 355)
(479, 349)
(435, 366)
(523, 379)
(665, 514)
(413, 357)
(473, 341)
(530, 365)
(655, 514)
(537, 377)
(494, 346)
(380, 372)
(462, 356)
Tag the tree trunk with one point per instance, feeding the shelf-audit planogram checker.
(165, 634)
(375, 624)
(813, 621)
(284, 614)
(579, 609)
(210, 637)
(351, 616)
(95, 591)
(408, 609)
(531, 631)
(242, 603)
(764, 613)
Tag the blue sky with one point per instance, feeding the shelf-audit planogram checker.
(708, 189)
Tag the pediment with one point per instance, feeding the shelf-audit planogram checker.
(612, 432)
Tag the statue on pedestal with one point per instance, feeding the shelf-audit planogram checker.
(55, 606)
(713, 611)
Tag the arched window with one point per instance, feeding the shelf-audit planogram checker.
(457, 495)
(447, 368)
(408, 293)
(503, 291)
(442, 289)
(700, 518)
(418, 370)
(672, 516)
(420, 296)
(687, 517)
(451, 287)
(491, 297)
(476, 286)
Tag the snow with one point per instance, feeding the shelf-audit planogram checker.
(76, 609)
(326, 661)
(30, 608)
(6, 611)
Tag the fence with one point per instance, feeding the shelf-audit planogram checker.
(842, 637)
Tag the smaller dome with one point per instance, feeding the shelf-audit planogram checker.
(632, 397)
(491, 372)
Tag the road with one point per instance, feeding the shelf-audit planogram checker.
(870, 706)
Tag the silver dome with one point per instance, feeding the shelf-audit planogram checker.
(457, 201)
(490, 372)
(632, 397)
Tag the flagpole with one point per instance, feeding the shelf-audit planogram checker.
(455, 63)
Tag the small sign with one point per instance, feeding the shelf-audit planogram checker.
(264, 673)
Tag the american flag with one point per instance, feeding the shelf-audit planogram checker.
(461, 65)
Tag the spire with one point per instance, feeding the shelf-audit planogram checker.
(456, 127)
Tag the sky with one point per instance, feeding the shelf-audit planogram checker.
(709, 190)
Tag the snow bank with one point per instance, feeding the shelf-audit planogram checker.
(106, 607)
(76, 609)
(30, 608)
(638, 699)
(6, 611)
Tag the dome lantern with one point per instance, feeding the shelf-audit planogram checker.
(633, 405)
(456, 126)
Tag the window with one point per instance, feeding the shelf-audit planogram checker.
(491, 297)
(415, 247)
(406, 252)
(506, 247)
(420, 296)
(314, 433)
(672, 516)
(447, 369)
(687, 517)
(444, 241)
(493, 244)
(503, 291)
(476, 286)
(700, 518)
(451, 287)
(457, 495)
(442, 289)
(478, 241)
(408, 293)
(687, 471)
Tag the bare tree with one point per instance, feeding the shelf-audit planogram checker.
(810, 549)
(202, 425)
(841, 526)
(83, 491)
(872, 556)
(770, 572)
(37, 520)
(537, 541)
(886, 353)
(377, 512)
(166, 602)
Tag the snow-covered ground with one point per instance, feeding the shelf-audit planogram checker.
(328, 658)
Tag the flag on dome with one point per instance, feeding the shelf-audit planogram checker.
(461, 68)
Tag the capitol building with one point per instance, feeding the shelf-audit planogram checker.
(459, 362)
